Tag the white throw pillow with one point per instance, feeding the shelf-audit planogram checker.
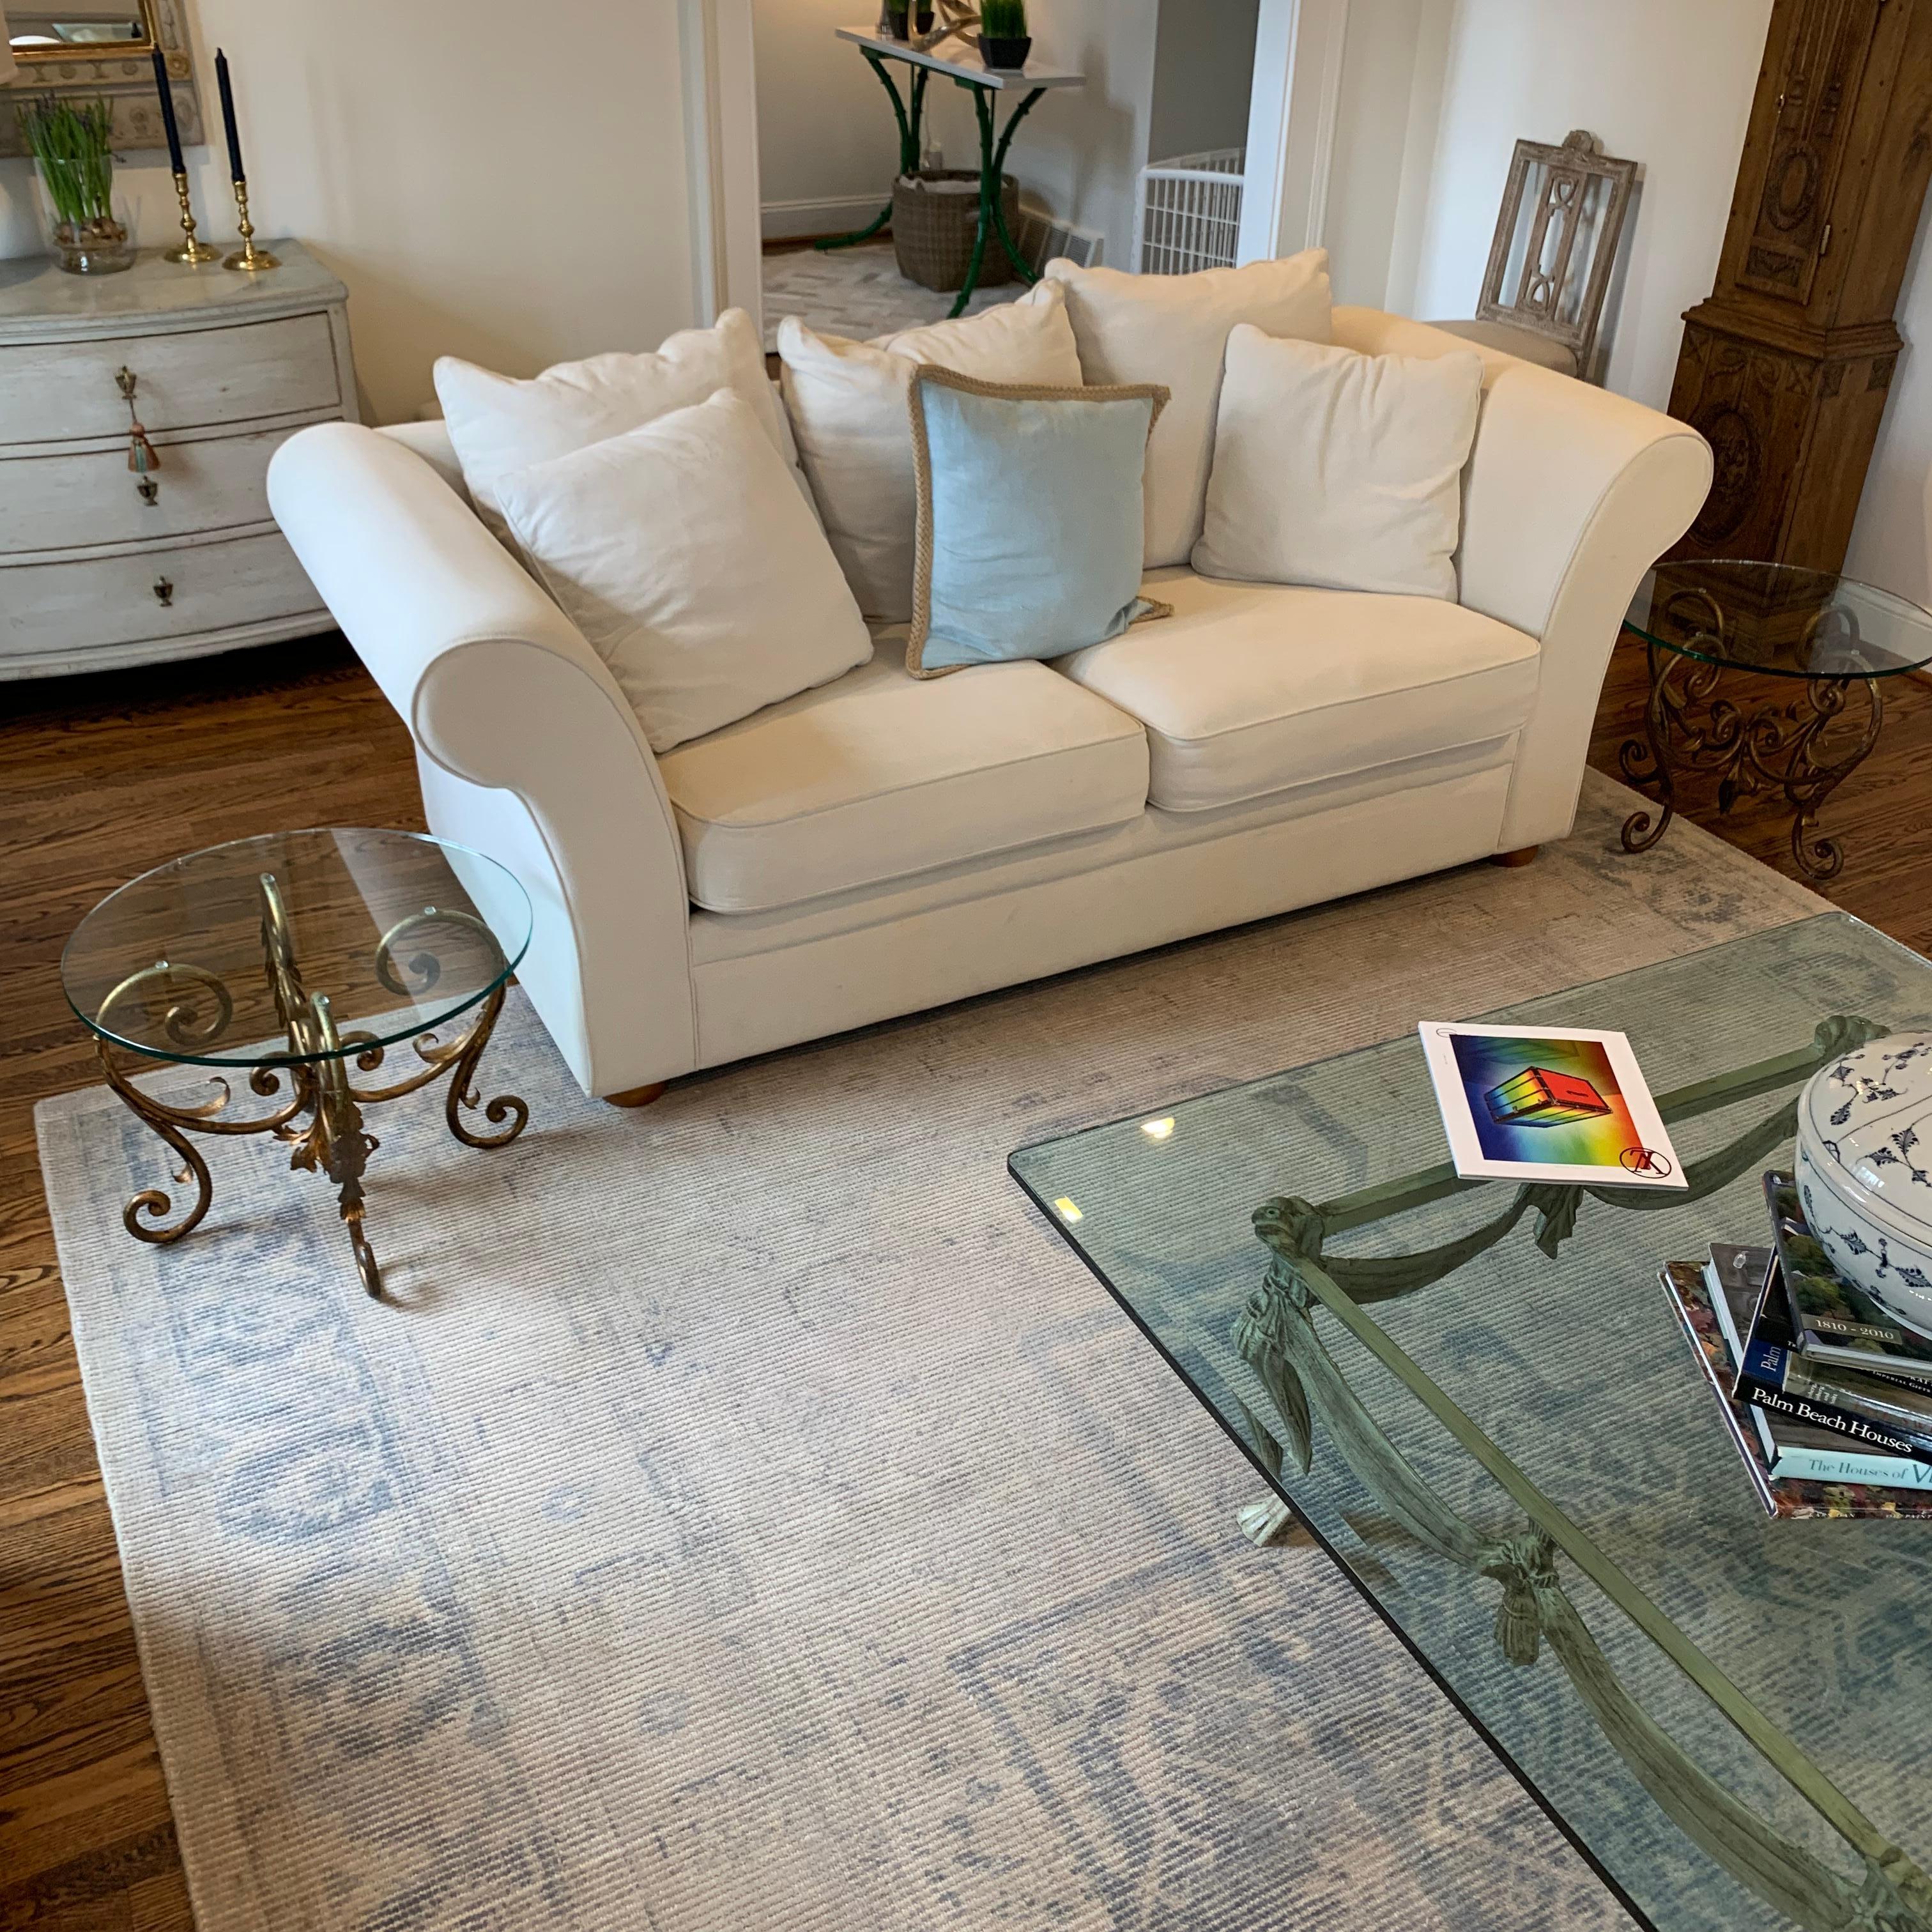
(1171, 329)
(850, 404)
(499, 423)
(691, 563)
(1339, 470)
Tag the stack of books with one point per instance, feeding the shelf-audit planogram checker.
(1828, 1401)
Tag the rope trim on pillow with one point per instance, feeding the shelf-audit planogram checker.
(1156, 393)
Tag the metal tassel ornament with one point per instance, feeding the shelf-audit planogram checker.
(143, 457)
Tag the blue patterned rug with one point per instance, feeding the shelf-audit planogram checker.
(748, 1516)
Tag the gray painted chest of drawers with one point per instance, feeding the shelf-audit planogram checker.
(100, 566)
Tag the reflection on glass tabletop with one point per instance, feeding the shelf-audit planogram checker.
(1780, 618)
(201, 959)
(1575, 1369)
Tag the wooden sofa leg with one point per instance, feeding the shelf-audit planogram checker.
(1522, 856)
(637, 1096)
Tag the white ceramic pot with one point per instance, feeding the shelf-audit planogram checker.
(1864, 1170)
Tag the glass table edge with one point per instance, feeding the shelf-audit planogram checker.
(363, 1038)
(1678, 647)
(1278, 1487)
(1774, 1746)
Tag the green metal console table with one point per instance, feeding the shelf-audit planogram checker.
(965, 69)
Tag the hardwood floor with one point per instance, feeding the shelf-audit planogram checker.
(103, 777)
(100, 778)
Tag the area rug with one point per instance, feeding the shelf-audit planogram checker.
(749, 1515)
(860, 292)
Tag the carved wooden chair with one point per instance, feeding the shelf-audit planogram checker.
(1561, 266)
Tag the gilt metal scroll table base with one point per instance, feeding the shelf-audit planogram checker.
(1825, 643)
(316, 1106)
(1805, 746)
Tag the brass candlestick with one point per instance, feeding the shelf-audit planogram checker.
(247, 256)
(190, 251)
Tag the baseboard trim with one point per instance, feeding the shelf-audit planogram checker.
(828, 215)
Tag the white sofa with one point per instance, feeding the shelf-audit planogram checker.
(880, 845)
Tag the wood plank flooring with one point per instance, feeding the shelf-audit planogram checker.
(102, 777)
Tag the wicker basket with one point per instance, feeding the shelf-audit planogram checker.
(935, 216)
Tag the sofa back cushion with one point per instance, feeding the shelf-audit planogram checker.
(849, 404)
(1172, 329)
(688, 556)
(1339, 469)
(499, 423)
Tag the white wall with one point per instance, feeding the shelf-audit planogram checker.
(1383, 137)
(1664, 84)
(513, 200)
(1889, 544)
(1080, 154)
(1670, 86)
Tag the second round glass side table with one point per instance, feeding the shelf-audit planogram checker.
(299, 959)
(1832, 640)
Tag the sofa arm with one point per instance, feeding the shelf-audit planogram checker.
(1570, 495)
(529, 750)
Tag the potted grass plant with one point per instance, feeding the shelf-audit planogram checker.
(71, 141)
(1004, 42)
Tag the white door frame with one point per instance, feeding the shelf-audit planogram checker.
(1293, 110)
(721, 112)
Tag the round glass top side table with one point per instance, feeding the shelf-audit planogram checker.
(301, 959)
(1830, 640)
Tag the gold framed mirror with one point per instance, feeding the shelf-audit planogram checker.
(98, 50)
(47, 30)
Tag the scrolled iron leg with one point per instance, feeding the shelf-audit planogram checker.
(153, 1202)
(1809, 781)
(1644, 763)
(992, 224)
(462, 1092)
(336, 1143)
(908, 120)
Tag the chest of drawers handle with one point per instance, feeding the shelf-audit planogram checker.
(148, 490)
(164, 592)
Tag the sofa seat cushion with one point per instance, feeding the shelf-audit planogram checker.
(879, 775)
(1250, 689)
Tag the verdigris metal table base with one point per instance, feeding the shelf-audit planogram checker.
(1689, 728)
(910, 114)
(1276, 1335)
(319, 1110)
(994, 147)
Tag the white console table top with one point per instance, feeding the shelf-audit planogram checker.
(966, 65)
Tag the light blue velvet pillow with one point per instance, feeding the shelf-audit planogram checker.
(1031, 525)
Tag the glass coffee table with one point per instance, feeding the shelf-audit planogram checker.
(300, 959)
(1826, 642)
(1476, 1397)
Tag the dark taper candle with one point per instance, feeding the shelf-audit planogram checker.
(236, 171)
(167, 95)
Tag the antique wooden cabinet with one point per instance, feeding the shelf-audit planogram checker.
(1785, 367)
(103, 565)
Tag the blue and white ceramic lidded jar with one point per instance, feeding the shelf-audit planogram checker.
(1864, 1170)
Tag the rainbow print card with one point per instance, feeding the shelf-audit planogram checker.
(1558, 1103)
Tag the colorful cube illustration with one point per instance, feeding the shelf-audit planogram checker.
(1537, 1097)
